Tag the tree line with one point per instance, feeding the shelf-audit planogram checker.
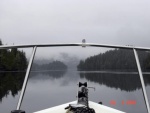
(55, 65)
(12, 60)
(117, 59)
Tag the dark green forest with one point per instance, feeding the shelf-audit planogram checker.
(55, 65)
(12, 60)
(118, 59)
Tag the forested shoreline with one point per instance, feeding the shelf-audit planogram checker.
(12, 60)
(117, 59)
(54, 65)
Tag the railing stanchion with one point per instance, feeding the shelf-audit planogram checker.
(141, 79)
(26, 78)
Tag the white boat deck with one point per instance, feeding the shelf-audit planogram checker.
(97, 107)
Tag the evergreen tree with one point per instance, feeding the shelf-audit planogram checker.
(117, 59)
(12, 60)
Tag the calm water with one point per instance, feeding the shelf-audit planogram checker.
(51, 88)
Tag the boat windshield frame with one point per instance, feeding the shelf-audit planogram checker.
(35, 46)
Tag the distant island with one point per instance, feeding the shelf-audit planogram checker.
(12, 60)
(54, 65)
(118, 59)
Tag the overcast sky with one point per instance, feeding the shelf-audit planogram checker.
(123, 22)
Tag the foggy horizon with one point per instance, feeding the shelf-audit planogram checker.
(105, 22)
(116, 22)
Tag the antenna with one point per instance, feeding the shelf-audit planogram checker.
(83, 43)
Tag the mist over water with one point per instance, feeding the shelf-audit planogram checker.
(121, 22)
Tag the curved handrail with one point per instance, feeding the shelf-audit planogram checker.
(73, 44)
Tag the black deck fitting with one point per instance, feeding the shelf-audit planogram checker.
(100, 103)
(18, 111)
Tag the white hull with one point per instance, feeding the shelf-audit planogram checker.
(97, 107)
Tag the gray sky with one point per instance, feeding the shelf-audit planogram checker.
(123, 22)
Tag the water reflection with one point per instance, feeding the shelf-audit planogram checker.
(126, 82)
(52, 74)
(50, 88)
(10, 83)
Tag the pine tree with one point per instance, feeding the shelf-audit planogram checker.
(12, 60)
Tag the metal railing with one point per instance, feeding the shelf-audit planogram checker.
(82, 45)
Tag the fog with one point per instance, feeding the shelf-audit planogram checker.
(121, 22)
